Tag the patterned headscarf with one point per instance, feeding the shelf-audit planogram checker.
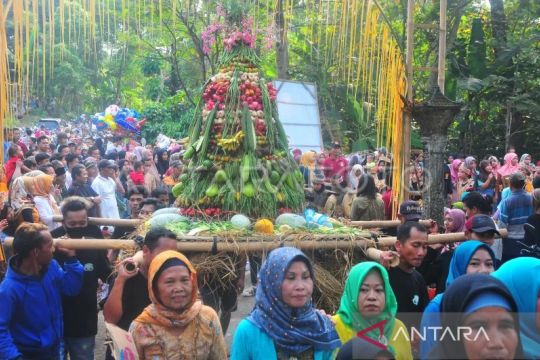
(156, 313)
(294, 330)
(454, 170)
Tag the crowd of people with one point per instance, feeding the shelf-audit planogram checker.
(50, 299)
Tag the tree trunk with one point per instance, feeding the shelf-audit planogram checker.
(282, 46)
(498, 26)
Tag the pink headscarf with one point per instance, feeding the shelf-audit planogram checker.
(454, 170)
(508, 168)
(458, 216)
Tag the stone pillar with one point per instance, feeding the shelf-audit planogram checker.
(434, 116)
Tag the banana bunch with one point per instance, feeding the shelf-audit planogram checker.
(231, 144)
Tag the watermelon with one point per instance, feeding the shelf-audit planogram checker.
(292, 220)
(240, 221)
(160, 221)
(169, 210)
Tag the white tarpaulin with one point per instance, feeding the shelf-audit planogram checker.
(299, 113)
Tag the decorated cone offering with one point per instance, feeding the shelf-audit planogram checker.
(238, 150)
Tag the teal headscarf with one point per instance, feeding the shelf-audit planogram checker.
(461, 258)
(458, 267)
(522, 278)
(348, 309)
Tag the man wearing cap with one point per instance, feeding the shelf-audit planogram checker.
(409, 210)
(105, 186)
(513, 214)
(482, 228)
(335, 163)
(91, 168)
(319, 194)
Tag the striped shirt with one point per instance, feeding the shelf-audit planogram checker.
(513, 213)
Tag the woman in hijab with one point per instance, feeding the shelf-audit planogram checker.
(368, 204)
(486, 179)
(454, 221)
(176, 325)
(526, 161)
(307, 166)
(354, 175)
(471, 164)
(42, 191)
(454, 171)
(521, 277)
(283, 323)
(464, 184)
(162, 163)
(510, 166)
(367, 300)
(482, 305)
(153, 171)
(454, 167)
(468, 258)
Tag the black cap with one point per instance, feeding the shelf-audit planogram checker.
(410, 210)
(336, 145)
(483, 223)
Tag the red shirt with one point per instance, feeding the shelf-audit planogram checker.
(137, 177)
(335, 166)
(10, 167)
(387, 199)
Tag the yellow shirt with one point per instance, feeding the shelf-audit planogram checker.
(399, 343)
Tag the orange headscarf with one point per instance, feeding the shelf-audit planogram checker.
(42, 185)
(308, 159)
(156, 313)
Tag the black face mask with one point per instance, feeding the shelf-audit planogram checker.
(76, 233)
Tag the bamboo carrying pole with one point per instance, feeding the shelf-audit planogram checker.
(381, 223)
(136, 222)
(104, 221)
(435, 239)
(257, 243)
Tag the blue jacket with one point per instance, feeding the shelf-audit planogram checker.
(251, 343)
(31, 321)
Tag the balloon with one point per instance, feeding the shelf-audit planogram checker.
(130, 119)
(120, 117)
(112, 109)
(109, 119)
(141, 123)
(100, 125)
(123, 123)
(113, 126)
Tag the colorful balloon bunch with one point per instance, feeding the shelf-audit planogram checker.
(118, 119)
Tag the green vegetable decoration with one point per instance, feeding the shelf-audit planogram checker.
(238, 151)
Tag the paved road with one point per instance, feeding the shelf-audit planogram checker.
(245, 304)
